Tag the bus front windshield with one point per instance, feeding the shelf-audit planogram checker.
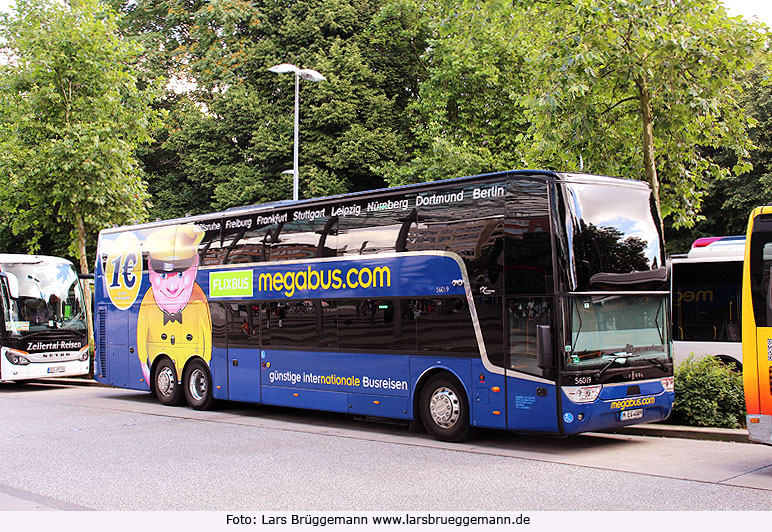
(629, 330)
(50, 298)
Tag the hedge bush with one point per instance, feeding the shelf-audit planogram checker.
(708, 393)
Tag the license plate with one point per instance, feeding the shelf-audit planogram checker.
(627, 415)
(60, 369)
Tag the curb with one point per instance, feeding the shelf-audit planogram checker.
(691, 433)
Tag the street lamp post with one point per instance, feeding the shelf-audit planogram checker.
(310, 75)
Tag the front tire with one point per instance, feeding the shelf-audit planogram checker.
(167, 389)
(198, 385)
(445, 409)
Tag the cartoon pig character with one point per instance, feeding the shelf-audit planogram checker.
(174, 318)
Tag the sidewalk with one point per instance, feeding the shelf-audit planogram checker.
(11, 502)
(644, 429)
(691, 433)
(13, 499)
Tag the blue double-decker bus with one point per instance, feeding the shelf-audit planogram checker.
(531, 301)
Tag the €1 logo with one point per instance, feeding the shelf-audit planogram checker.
(123, 271)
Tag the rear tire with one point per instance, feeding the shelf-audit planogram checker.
(167, 388)
(444, 409)
(197, 384)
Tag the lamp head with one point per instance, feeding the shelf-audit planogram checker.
(310, 75)
(284, 68)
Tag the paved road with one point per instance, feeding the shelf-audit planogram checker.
(71, 447)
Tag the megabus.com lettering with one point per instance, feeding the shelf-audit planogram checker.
(336, 279)
(628, 403)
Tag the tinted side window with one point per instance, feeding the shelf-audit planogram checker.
(304, 239)
(761, 262)
(303, 324)
(524, 315)
(376, 325)
(217, 312)
(528, 241)
(245, 241)
(244, 324)
(209, 249)
(706, 301)
(382, 226)
(445, 325)
(490, 316)
(469, 221)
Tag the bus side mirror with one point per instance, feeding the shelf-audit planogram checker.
(544, 358)
(13, 285)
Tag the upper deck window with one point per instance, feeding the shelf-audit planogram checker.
(528, 239)
(613, 237)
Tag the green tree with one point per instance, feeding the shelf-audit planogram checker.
(470, 117)
(637, 88)
(229, 140)
(729, 201)
(73, 113)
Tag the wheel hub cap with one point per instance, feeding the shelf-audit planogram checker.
(165, 382)
(444, 407)
(197, 384)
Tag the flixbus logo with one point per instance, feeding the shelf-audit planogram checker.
(332, 279)
(231, 284)
(630, 403)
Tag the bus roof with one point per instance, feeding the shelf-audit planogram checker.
(13, 258)
(546, 175)
(719, 248)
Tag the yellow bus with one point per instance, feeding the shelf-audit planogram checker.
(757, 325)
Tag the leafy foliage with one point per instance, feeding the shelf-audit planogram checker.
(470, 116)
(729, 200)
(636, 88)
(708, 394)
(231, 139)
(73, 112)
(416, 90)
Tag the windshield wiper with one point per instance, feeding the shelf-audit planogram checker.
(624, 355)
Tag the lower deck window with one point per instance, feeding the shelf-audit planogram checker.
(406, 326)
(445, 325)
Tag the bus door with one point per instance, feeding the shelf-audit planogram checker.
(529, 283)
(245, 322)
(531, 390)
(120, 345)
(757, 328)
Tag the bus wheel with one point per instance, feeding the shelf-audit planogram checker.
(444, 409)
(198, 386)
(166, 389)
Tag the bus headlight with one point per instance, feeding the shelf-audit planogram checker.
(16, 357)
(83, 353)
(582, 394)
(668, 384)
